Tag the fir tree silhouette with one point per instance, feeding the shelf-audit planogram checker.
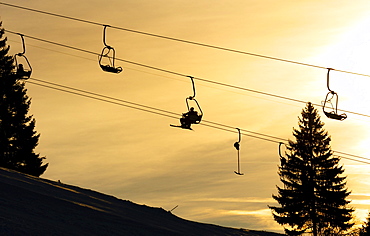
(313, 196)
(365, 230)
(17, 136)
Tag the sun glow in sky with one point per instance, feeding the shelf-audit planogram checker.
(135, 155)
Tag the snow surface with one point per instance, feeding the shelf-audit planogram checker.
(36, 206)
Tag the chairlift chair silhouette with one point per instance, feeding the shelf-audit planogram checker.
(282, 158)
(109, 53)
(332, 111)
(191, 116)
(195, 118)
(237, 147)
(23, 69)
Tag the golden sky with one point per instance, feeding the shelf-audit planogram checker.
(136, 155)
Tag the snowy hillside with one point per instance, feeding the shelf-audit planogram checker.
(36, 206)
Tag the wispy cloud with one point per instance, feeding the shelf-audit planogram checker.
(240, 200)
(262, 212)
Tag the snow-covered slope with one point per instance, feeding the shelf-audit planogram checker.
(36, 206)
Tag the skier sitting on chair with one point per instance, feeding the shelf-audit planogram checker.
(188, 118)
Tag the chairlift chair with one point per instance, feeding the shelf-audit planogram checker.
(282, 157)
(109, 53)
(111, 58)
(193, 118)
(333, 113)
(237, 147)
(23, 69)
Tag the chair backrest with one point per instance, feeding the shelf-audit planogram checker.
(195, 119)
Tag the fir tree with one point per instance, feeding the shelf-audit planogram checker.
(365, 230)
(17, 136)
(313, 196)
